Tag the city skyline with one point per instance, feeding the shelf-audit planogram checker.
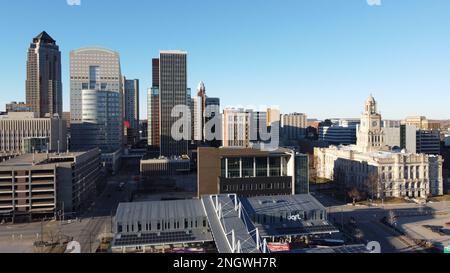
(397, 51)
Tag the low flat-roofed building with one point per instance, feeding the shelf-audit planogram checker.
(289, 215)
(165, 166)
(44, 184)
(250, 172)
(235, 224)
(150, 224)
(16, 127)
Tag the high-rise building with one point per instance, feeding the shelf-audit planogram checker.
(246, 128)
(172, 93)
(428, 141)
(342, 131)
(130, 91)
(153, 117)
(212, 111)
(204, 109)
(199, 108)
(43, 84)
(236, 127)
(96, 100)
(153, 107)
(293, 126)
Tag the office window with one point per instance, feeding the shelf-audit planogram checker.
(247, 167)
(275, 166)
(233, 168)
(261, 166)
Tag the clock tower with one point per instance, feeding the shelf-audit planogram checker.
(370, 135)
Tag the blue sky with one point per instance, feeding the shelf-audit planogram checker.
(321, 57)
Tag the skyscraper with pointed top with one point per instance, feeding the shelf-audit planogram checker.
(43, 84)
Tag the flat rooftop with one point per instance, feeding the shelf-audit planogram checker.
(272, 204)
(156, 210)
(39, 159)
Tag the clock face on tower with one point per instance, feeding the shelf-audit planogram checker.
(374, 124)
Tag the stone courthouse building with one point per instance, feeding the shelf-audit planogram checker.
(397, 173)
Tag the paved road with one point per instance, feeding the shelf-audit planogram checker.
(368, 220)
(19, 238)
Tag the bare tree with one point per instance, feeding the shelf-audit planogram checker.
(355, 195)
(391, 219)
(373, 185)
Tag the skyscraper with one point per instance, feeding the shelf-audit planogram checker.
(43, 84)
(96, 101)
(212, 110)
(237, 127)
(173, 92)
(199, 105)
(131, 110)
(153, 107)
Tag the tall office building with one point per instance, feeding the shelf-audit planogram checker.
(428, 142)
(199, 108)
(43, 84)
(212, 110)
(341, 131)
(153, 107)
(172, 92)
(96, 101)
(204, 109)
(131, 110)
(236, 127)
(245, 128)
(293, 126)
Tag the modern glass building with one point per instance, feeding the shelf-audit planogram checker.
(173, 92)
(301, 174)
(153, 116)
(101, 121)
(96, 99)
(131, 110)
(251, 172)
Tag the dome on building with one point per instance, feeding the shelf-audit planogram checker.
(371, 99)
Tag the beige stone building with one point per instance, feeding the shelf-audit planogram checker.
(397, 173)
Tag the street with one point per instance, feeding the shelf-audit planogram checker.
(368, 221)
(86, 230)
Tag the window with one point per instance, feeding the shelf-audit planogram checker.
(247, 167)
(222, 167)
(234, 168)
(275, 166)
(261, 166)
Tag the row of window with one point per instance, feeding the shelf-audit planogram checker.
(256, 187)
(162, 226)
